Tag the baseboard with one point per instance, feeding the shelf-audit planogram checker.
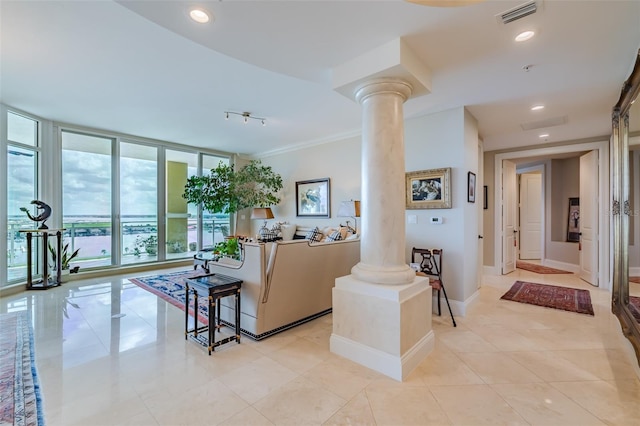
(562, 265)
(491, 270)
(392, 366)
(458, 308)
(634, 272)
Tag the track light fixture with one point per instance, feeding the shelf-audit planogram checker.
(245, 117)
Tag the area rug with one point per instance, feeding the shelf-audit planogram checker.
(551, 296)
(539, 269)
(171, 286)
(634, 307)
(20, 400)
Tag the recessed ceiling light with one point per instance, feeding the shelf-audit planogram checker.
(544, 135)
(525, 35)
(199, 15)
(537, 107)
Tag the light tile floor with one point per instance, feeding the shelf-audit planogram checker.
(110, 353)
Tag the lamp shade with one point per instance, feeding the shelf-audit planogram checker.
(262, 213)
(349, 209)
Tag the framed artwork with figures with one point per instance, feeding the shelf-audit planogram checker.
(313, 198)
(428, 189)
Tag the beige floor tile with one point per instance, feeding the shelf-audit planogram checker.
(606, 364)
(257, 379)
(541, 404)
(299, 355)
(465, 341)
(405, 405)
(341, 376)
(247, 417)
(207, 404)
(613, 402)
(498, 368)
(356, 412)
(475, 405)
(299, 402)
(549, 366)
(443, 367)
(139, 370)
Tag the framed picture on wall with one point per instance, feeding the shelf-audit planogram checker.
(485, 203)
(428, 189)
(471, 187)
(573, 228)
(313, 198)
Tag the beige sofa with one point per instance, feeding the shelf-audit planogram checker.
(285, 283)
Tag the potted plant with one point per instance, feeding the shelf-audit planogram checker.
(149, 244)
(65, 258)
(226, 190)
(228, 248)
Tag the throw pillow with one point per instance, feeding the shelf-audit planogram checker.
(315, 235)
(334, 236)
(288, 230)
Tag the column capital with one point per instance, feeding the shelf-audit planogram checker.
(379, 86)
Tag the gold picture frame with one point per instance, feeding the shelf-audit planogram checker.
(429, 189)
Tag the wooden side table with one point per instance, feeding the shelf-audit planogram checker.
(215, 287)
(46, 281)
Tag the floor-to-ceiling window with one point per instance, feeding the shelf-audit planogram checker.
(180, 236)
(214, 226)
(118, 197)
(22, 188)
(138, 203)
(87, 200)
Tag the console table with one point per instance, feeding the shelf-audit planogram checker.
(46, 281)
(215, 287)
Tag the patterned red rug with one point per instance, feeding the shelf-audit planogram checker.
(634, 280)
(634, 307)
(551, 296)
(539, 269)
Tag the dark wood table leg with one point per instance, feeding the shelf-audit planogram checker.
(45, 259)
(212, 328)
(238, 315)
(186, 312)
(59, 258)
(29, 260)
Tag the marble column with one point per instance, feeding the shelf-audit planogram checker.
(382, 311)
(382, 258)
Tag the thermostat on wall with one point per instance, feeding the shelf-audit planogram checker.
(437, 220)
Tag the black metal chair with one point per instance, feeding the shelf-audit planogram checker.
(430, 261)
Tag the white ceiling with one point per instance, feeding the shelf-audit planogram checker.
(144, 68)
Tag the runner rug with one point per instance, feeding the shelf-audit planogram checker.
(539, 269)
(171, 287)
(551, 296)
(634, 307)
(20, 400)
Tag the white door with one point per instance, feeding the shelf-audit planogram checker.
(530, 215)
(509, 228)
(588, 221)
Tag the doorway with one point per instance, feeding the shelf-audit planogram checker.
(600, 238)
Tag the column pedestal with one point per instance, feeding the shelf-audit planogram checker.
(384, 327)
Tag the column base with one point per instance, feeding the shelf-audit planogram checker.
(384, 327)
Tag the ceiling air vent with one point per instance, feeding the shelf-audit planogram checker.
(518, 12)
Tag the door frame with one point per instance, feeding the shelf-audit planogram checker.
(604, 232)
(542, 169)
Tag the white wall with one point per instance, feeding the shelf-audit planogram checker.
(339, 161)
(446, 139)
